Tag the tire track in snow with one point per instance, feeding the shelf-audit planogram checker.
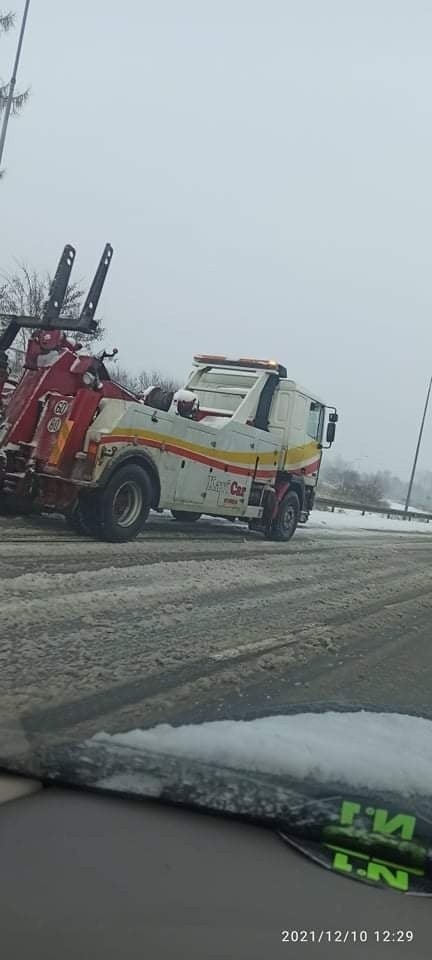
(99, 630)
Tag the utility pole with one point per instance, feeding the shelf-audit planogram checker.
(416, 455)
(9, 101)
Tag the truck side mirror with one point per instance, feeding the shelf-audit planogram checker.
(331, 432)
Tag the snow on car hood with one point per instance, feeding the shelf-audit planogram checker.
(381, 751)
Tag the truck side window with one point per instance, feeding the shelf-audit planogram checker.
(315, 420)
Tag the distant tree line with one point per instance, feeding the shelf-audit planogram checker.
(145, 378)
(340, 480)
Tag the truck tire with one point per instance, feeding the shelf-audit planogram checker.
(122, 507)
(255, 525)
(73, 521)
(83, 518)
(284, 524)
(7, 506)
(183, 516)
(11, 506)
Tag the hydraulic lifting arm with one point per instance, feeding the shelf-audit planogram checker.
(51, 319)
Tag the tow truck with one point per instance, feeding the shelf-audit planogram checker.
(241, 440)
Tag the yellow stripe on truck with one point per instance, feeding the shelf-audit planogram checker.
(298, 454)
(238, 456)
(59, 445)
(294, 456)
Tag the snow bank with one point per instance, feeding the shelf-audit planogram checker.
(397, 505)
(343, 520)
(386, 751)
(340, 520)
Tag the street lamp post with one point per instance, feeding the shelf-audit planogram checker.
(9, 100)
(416, 455)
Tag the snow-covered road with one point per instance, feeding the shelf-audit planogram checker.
(208, 623)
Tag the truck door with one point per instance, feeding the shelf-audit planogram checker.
(314, 432)
(242, 454)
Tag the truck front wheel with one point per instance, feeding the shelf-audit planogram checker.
(285, 522)
(124, 504)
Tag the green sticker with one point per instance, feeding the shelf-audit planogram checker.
(385, 853)
(377, 844)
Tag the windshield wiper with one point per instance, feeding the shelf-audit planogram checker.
(331, 823)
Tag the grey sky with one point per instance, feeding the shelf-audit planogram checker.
(263, 170)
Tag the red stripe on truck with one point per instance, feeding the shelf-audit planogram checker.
(179, 451)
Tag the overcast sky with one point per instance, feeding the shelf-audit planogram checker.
(263, 169)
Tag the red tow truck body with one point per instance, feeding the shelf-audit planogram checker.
(44, 416)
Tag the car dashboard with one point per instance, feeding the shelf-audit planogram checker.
(88, 874)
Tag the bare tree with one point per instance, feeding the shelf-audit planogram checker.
(7, 22)
(338, 479)
(24, 292)
(146, 378)
(11, 103)
(371, 489)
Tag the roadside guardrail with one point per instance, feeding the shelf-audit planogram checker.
(364, 509)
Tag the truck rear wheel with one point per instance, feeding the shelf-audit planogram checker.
(284, 524)
(83, 518)
(183, 516)
(123, 505)
(73, 521)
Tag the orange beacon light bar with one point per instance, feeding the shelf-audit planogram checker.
(242, 362)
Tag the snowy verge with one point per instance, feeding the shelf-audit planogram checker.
(353, 520)
(381, 751)
(340, 520)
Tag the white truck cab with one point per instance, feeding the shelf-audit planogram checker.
(251, 450)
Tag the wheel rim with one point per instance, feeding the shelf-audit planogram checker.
(127, 504)
(287, 518)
